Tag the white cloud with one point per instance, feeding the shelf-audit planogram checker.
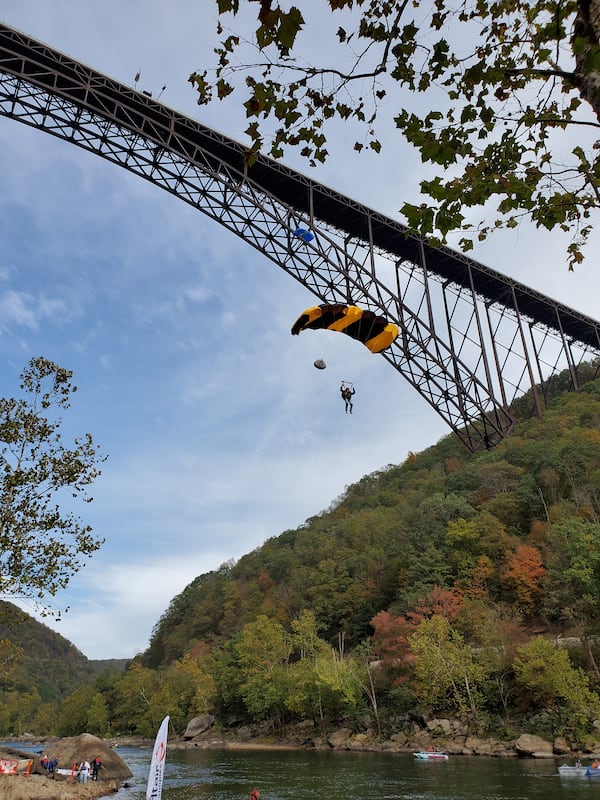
(120, 602)
(16, 308)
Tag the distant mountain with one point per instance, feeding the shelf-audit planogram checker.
(50, 663)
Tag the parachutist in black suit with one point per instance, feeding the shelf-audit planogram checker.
(347, 392)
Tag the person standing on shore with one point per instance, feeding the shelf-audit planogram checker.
(84, 771)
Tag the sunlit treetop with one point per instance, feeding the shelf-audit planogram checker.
(501, 99)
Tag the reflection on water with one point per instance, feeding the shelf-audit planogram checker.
(309, 775)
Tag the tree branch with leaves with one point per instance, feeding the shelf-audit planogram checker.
(488, 92)
(42, 542)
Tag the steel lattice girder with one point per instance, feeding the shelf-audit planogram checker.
(471, 339)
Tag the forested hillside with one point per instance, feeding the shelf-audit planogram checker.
(48, 662)
(452, 585)
(514, 531)
(39, 667)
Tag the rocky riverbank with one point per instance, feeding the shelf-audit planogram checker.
(450, 736)
(38, 787)
(525, 746)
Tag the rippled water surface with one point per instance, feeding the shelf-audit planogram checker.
(300, 775)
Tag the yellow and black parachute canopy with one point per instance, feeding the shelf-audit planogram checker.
(373, 331)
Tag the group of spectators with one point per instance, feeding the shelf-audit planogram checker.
(84, 771)
(49, 763)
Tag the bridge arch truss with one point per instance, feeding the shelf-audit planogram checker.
(472, 340)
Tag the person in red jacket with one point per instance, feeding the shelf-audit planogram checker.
(96, 764)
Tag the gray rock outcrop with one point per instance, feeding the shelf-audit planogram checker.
(199, 725)
(533, 746)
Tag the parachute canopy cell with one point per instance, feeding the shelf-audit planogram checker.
(375, 332)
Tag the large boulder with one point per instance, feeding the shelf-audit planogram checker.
(439, 725)
(339, 739)
(561, 747)
(85, 747)
(533, 746)
(199, 725)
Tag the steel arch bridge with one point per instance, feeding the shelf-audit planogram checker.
(472, 340)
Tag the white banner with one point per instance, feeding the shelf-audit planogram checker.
(157, 765)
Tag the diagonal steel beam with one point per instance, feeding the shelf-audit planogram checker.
(438, 297)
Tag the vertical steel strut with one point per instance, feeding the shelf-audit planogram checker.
(437, 296)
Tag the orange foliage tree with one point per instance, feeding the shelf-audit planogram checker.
(522, 574)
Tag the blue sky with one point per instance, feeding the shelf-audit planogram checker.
(219, 431)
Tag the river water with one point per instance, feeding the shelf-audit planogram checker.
(335, 775)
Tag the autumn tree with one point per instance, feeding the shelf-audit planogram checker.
(522, 574)
(195, 685)
(97, 716)
(572, 582)
(308, 694)
(439, 602)
(572, 585)
(339, 675)
(547, 679)
(390, 637)
(368, 673)
(500, 99)
(72, 718)
(44, 719)
(263, 650)
(446, 673)
(494, 634)
(42, 542)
